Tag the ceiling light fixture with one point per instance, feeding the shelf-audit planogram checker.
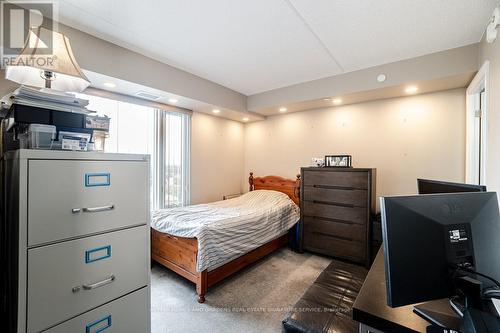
(411, 89)
(283, 109)
(173, 100)
(337, 101)
(109, 84)
(327, 99)
(381, 78)
(245, 119)
(216, 111)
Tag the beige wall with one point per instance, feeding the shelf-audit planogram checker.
(216, 157)
(404, 138)
(491, 52)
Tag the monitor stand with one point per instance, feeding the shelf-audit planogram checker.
(439, 313)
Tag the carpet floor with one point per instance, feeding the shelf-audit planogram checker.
(253, 300)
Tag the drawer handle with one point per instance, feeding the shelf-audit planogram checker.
(99, 325)
(334, 204)
(99, 284)
(98, 209)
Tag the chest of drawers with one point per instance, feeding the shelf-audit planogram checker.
(76, 235)
(335, 211)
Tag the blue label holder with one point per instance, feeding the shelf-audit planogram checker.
(89, 254)
(106, 320)
(96, 179)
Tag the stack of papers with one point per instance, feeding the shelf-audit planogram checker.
(48, 99)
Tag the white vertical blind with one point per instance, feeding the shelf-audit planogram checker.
(173, 159)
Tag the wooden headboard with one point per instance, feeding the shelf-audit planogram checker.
(288, 186)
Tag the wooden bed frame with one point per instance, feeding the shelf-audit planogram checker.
(179, 254)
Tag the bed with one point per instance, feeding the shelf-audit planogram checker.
(207, 243)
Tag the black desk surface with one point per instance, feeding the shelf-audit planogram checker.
(370, 307)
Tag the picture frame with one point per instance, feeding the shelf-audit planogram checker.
(338, 161)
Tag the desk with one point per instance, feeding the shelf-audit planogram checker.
(372, 312)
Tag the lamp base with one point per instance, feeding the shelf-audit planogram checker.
(48, 76)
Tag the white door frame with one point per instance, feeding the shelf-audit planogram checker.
(480, 82)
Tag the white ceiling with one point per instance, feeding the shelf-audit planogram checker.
(259, 45)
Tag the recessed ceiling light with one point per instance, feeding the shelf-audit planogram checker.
(327, 99)
(283, 109)
(337, 101)
(411, 89)
(215, 110)
(109, 84)
(173, 100)
(381, 77)
(245, 119)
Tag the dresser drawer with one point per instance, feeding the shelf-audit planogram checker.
(345, 197)
(76, 198)
(349, 179)
(335, 247)
(128, 314)
(348, 214)
(69, 278)
(346, 231)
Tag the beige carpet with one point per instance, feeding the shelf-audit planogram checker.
(253, 300)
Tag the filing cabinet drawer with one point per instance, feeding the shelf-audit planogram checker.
(69, 278)
(128, 314)
(346, 231)
(75, 198)
(349, 214)
(358, 198)
(350, 179)
(330, 245)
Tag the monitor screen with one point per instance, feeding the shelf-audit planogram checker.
(424, 235)
(427, 186)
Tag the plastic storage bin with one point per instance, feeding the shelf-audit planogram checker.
(38, 137)
(99, 138)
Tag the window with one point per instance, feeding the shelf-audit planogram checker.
(164, 135)
(172, 159)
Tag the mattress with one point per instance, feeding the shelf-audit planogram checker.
(228, 229)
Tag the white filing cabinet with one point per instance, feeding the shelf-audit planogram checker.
(75, 242)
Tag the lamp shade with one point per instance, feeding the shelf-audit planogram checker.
(47, 55)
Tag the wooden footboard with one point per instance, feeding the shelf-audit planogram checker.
(179, 254)
(176, 253)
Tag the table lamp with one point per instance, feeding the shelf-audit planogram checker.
(49, 64)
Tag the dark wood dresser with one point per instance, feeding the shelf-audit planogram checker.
(335, 207)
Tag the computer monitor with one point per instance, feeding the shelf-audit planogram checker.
(427, 186)
(424, 235)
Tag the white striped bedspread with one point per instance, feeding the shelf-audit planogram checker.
(228, 229)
